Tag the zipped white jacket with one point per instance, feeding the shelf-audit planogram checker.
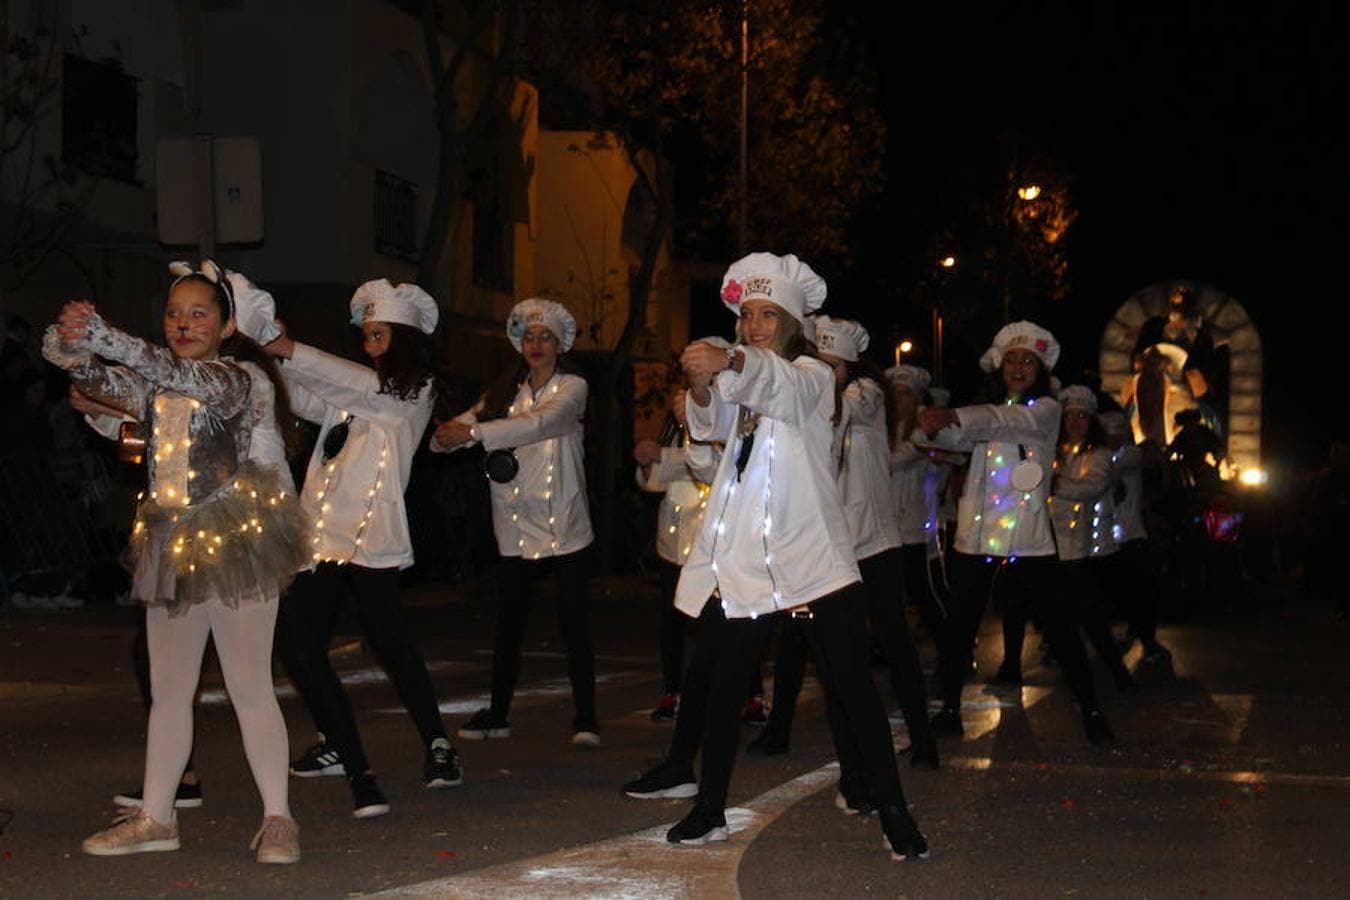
(864, 471)
(992, 518)
(544, 510)
(774, 536)
(357, 495)
(1082, 507)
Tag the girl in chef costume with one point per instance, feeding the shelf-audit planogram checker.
(531, 423)
(1003, 525)
(774, 541)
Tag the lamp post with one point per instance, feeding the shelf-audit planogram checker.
(1026, 193)
(745, 116)
(945, 267)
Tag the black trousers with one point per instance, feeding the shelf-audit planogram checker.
(514, 579)
(673, 624)
(1132, 575)
(837, 633)
(1085, 595)
(305, 629)
(1034, 584)
(881, 584)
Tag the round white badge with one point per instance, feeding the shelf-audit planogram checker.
(1027, 475)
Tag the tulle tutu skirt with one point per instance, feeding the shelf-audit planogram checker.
(242, 544)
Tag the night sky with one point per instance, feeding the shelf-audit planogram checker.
(1201, 143)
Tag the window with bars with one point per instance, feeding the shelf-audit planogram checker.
(396, 217)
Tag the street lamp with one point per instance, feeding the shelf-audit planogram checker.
(902, 348)
(1029, 192)
(945, 267)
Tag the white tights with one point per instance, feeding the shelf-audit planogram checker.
(243, 640)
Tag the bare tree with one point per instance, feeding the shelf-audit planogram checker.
(470, 85)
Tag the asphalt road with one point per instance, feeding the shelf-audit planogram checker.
(1231, 777)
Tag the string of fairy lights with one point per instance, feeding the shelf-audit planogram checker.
(547, 494)
(325, 507)
(173, 473)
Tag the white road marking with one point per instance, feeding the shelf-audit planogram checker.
(638, 866)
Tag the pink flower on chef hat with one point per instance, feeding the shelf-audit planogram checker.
(731, 292)
(1042, 345)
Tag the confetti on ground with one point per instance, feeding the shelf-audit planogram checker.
(445, 854)
(1069, 804)
(1225, 801)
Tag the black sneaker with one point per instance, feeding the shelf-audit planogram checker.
(946, 722)
(1098, 730)
(668, 781)
(665, 710)
(321, 759)
(701, 826)
(188, 796)
(484, 724)
(367, 798)
(441, 767)
(903, 837)
(767, 744)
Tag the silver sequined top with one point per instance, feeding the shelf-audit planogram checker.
(200, 412)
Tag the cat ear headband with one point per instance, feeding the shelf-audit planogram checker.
(211, 272)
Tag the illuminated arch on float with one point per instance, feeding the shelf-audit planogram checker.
(1231, 326)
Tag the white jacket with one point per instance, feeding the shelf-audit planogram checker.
(864, 471)
(992, 518)
(684, 498)
(774, 537)
(544, 510)
(1127, 466)
(1081, 506)
(918, 485)
(354, 502)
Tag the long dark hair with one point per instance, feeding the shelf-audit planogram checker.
(244, 349)
(502, 390)
(413, 361)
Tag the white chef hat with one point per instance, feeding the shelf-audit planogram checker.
(208, 270)
(1114, 422)
(809, 327)
(782, 280)
(406, 304)
(916, 378)
(1077, 396)
(255, 311)
(843, 338)
(551, 314)
(1021, 336)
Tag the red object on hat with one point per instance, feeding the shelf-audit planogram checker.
(731, 292)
